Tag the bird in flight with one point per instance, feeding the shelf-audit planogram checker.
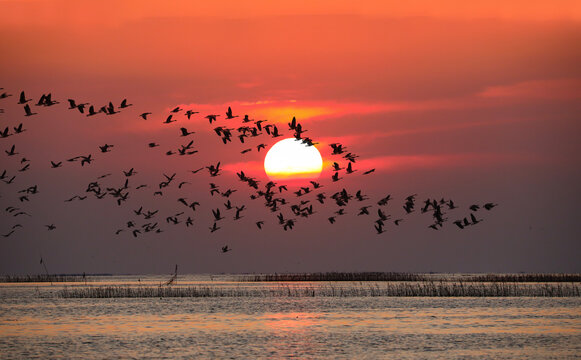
(23, 99)
(211, 117)
(28, 111)
(229, 114)
(105, 148)
(189, 113)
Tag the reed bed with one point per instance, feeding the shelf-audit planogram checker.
(389, 289)
(407, 277)
(336, 276)
(539, 278)
(41, 278)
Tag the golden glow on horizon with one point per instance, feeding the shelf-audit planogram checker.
(291, 159)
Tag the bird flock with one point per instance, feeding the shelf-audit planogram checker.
(288, 208)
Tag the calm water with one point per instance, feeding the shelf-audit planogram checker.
(34, 323)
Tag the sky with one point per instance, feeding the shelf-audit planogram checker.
(478, 102)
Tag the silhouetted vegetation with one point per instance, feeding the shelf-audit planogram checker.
(402, 276)
(337, 276)
(42, 278)
(410, 289)
(527, 278)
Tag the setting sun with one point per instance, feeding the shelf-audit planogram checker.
(291, 159)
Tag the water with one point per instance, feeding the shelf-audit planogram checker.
(34, 323)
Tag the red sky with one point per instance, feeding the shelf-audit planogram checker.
(474, 101)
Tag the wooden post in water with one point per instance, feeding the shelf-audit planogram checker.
(46, 270)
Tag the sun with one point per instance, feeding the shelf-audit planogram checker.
(292, 159)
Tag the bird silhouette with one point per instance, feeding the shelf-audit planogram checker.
(459, 224)
(110, 109)
(12, 151)
(185, 132)
(214, 227)
(23, 99)
(5, 133)
(86, 160)
(92, 111)
(216, 214)
(18, 129)
(335, 177)
(229, 114)
(349, 169)
(9, 233)
(211, 117)
(474, 220)
(124, 104)
(72, 104)
(105, 148)
(260, 146)
(189, 113)
(489, 206)
(214, 170)
(28, 111)
(363, 210)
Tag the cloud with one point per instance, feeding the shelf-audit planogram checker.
(392, 163)
(281, 111)
(565, 89)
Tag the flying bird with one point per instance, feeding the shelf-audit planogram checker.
(105, 148)
(12, 151)
(185, 132)
(489, 206)
(23, 99)
(229, 114)
(189, 113)
(211, 117)
(124, 104)
(28, 111)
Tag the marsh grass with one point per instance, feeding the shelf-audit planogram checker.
(399, 289)
(537, 278)
(402, 276)
(336, 276)
(41, 278)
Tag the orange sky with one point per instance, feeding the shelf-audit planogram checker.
(440, 97)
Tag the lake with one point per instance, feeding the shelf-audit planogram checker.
(37, 323)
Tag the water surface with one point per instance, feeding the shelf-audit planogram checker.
(34, 323)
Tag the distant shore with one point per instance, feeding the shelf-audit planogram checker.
(336, 276)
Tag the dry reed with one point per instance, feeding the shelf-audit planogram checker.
(399, 289)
